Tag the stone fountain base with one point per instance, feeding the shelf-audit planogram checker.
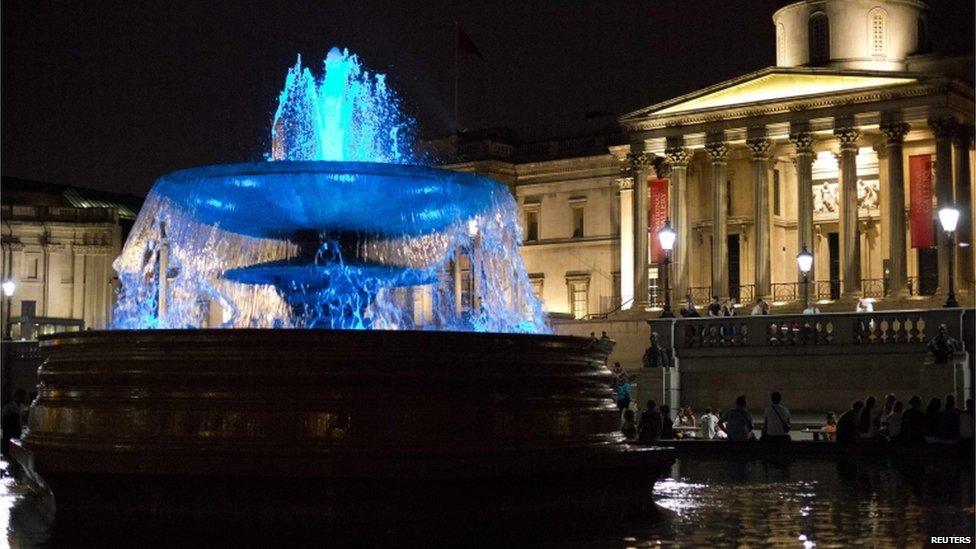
(330, 427)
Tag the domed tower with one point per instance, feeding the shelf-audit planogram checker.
(850, 34)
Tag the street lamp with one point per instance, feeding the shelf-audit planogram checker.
(949, 217)
(9, 287)
(804, 260)
(667, 235)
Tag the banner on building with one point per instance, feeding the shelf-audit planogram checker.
(920, 194)
(658, 214)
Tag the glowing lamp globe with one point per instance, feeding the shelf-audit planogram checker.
(804, 260)
(667, 235)
(9, 287)
(949, 218)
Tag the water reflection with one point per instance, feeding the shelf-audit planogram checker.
(706, 503)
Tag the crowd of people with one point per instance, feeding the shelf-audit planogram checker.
(865, 422)
(895, 422)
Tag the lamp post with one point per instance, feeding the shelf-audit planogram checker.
(804, 260)
(667, 235)
(9, 287)
(949, 217)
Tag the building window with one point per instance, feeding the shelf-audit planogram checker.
(532, 225)
(577, 221)
(32, 266)
(578, 284)
(819, 35)
(878, 31)
(578, 294)
(777, 209)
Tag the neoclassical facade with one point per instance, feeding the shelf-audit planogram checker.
(847, 147)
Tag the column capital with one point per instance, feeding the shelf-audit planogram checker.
(760, 147)
(640, 161)
(848, 137)
(661, 167)
(718, 151)
(943, 127)
(678, 156)
(895, 131)
(881, 149)
(625, 183)
(803, 141)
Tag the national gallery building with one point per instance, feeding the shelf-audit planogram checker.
(847, 148)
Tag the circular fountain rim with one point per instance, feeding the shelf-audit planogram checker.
(324, 167)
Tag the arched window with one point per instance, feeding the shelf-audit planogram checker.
(780, 44)
(819, 33)
(878, 32)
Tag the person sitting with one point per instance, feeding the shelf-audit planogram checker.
(689, 310)
(868, 421)
(830, 428)
(912, 423)
(649, 428)
(737, 422)
(812, 309)
(864, 305)
(760, 308)
(728, 308)
(10, 418)
(685, 419)
(629, 428)
(667, 426)
(776, 421)
(949, 421)
(847, 424)
(933, 417)
(895, 420)
(708, 425)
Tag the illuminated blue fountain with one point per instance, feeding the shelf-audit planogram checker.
(340, 230)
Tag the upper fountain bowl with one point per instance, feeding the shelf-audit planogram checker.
(279, 199)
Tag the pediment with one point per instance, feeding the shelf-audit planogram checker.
(770, 85)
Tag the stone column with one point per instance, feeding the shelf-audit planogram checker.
(964, 201)
(944, 129)
(679, 156)
(803, 141)
(761, 226)
(898, 260)
(626, 185)
(849, 234)
(718, 153)
(640, 163)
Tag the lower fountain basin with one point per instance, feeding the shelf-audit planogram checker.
(279, 424)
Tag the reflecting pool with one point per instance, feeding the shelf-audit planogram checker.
(704, 503)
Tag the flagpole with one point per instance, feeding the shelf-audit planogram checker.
(457, 38)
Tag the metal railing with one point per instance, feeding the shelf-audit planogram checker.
(924, 285)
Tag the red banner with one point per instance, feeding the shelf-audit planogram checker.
(656, 216)
(920, 194)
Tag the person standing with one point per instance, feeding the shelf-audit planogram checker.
(912, 423)
(895, 418)
(667, 426)
(776, 420)
(869, 420)
(949, 421)
(830, 428)
(714, 308)
(649, 427)
(737, 422)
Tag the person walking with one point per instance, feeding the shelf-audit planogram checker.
(737, 422)
(776, 420)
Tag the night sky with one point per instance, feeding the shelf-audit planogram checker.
(111, 95)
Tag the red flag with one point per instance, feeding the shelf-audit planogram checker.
(464, 43)
(657, 216)
(920, 194)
